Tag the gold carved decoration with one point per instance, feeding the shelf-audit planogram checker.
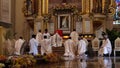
(65, 8)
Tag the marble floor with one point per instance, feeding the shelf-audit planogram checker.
(96, 62)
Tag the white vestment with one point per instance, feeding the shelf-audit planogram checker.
(69, 48)
(74, 36)
(56, 40)
(107, 47)
(81, 47)
(18, 45)
(85, 41)
(46, 34)
(46, 46)
(39, 37)
(33, 46)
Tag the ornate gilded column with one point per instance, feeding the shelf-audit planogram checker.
(45, 6)
(103, 5)
(83, 6)
(0, 9)
(45, 12)
(2, 39)
(87, 6)
(39, 9)
(91, 6)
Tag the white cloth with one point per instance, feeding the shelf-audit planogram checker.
(18, 45)
(56, 40)
(46, 34)
(39, 37)
(33, 46)
(81, 47)
(46, 46)
(107, 49)
(69, 48)
(85, 41)
(74, 36)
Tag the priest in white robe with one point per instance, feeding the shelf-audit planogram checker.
(81, 47)
(46, 33)
(39, 36)
(33, 45)
(86, 41)
(69, 48)
(46, 47)
(18, 45)
(74, 36)
(56, 40)
(107, 48)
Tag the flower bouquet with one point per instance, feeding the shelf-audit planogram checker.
(24, 61)
(3, 58)
(52, 57)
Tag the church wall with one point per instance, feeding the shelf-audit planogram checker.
(19, 18)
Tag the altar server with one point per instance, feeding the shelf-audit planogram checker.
(33, 45)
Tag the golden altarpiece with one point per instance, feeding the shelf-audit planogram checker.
(88, 17)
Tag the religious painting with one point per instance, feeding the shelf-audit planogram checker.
(64, 22)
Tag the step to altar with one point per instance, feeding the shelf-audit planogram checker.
(58, 50)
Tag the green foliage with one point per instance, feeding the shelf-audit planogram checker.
(112, 34)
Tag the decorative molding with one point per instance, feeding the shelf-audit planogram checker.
(4, 24)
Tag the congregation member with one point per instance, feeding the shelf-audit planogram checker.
(56, 40)
(106, 48)
(39, 37)
(46, 47)
(33, 45)
(18, 45)
(81, 47)
(69, 48)
(46, 33)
